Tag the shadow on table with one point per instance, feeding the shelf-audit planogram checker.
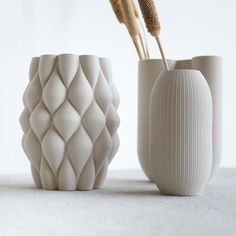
(135, 187)
(8, 184)
(112, 186)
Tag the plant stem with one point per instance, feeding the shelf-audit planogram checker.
(143, 47)
(137, 48)
(145, 38)
(162, 53)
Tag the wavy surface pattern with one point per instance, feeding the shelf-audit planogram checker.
(70, 121)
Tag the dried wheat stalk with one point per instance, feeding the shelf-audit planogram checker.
(121, 15)
(143, 42)
(131, 23)
(152, 23)
(135, 9)
(129, 17)
(117, 10)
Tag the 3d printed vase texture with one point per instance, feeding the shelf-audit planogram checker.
(180, 151)
(70, 121)
(149, 70)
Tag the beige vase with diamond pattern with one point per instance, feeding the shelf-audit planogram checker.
(70, 121)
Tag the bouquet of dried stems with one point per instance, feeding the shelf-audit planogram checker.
(152, 23)
(127, 13)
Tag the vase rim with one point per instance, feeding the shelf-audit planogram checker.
(208, 56)
(153, 60)
(70, 54)
(178, 60)
(183, 60)
(180, 70)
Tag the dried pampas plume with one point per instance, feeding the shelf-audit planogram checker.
(150, 16)
(117, 10)
(135, 9)
(131, 23)
(129, 17)
(144, 47)
(127, 13)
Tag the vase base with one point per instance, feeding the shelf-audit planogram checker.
(179, 193)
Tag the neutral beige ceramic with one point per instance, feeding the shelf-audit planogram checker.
(149, 71)
(70, 121)
(181, 132)
(212, 69)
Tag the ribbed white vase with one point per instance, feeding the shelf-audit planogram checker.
(181, 132)
(70, 121)
(149, 70)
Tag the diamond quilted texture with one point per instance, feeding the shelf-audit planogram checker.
(67, 66)
(24, 120)
(101, 150)
(53, 148)
(115, 146)
(105, 66)
(36, 177)
(116, 98)
(88, 176)
(79, 150)
(70, 121)
(47, 177)
(33, 93)
(46, 67)
(66, 177)
(90, 68)
(54, 93)
(103, 94)
(93, 121)
(40, 120)
(66, 120)
(32, 148)
(112, 121)
(34, 65)
(80, 92)
(101, 175)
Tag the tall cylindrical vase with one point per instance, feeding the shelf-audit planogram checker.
(149, 71)
(181, 132)
(70, 121)
(212, 69)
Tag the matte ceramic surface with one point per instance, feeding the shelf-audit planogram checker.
(181, 132)
(212, 69)
(70, 121)
(149, 71)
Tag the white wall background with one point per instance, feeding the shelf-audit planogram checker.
(32, 27)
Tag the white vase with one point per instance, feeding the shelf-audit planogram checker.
(70, 121)
(181, 132)
(149, 71)
(212, 69)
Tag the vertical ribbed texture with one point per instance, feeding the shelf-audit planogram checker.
(149, 70)
(70, 121)
(181, 132)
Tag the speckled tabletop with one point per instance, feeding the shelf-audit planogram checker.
(128, 205)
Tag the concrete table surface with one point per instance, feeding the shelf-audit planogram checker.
(127, 205)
